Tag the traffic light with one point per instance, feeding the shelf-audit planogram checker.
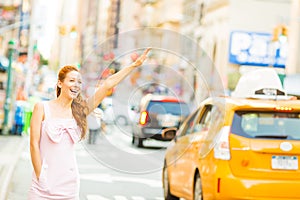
(280, 33)
(283, 37)
(68, 30)
(62, 30)
(73, 31)
(284, 31)
(276, 33)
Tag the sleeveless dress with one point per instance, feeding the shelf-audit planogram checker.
(59, 177)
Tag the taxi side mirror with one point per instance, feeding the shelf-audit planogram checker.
(169, 133)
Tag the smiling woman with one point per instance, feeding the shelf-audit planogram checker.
(58, 124)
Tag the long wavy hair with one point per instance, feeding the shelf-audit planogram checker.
(79, 106)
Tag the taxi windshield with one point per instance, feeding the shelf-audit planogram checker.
(268, 125)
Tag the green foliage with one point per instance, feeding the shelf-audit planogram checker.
(43, 61)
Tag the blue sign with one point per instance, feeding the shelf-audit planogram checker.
(256, 49)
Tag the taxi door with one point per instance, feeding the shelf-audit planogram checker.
(192, 147)
(188, 145)
(177, 150)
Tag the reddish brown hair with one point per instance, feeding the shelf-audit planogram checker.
(79, 107)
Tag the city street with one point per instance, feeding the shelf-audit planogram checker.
(110, 169)
(217, 78)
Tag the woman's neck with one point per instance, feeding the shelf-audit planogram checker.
(63, 102)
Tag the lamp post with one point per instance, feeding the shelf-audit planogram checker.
(7, 103)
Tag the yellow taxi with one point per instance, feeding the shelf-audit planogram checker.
(236, 148)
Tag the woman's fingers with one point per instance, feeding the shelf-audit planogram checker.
(147, 50)
(143, 57)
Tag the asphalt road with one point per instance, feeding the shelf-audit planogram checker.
(110, 169)
(119, 170)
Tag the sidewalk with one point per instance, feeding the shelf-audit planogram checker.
(11, 148)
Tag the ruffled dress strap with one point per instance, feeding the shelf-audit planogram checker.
(46, 109)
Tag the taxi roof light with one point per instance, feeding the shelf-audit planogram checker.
(269, 92)
(264, 81)
(283, 108)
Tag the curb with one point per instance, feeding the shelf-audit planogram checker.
(11, 167)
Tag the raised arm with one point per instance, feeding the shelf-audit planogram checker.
(101, 91)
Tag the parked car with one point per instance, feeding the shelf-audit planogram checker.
(237, 147)
(156, 113)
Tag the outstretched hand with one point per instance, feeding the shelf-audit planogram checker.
(139, 61)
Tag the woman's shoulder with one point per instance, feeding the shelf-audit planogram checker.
(41, 104)
(38, 105)
(38, 109)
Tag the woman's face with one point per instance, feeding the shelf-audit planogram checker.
(71, 85)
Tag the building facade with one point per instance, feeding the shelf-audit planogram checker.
(215, 22)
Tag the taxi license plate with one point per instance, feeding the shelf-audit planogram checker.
(285, 162)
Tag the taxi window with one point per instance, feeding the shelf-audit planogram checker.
(210, 123)
(186, 128)
(205, 120)
(271, 125)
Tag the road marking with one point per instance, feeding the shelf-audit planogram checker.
(95, 197)
(107, 178)
(98, 197)
(124, 143)
(149, 182)
(82, 153)
(91, 166)
(118, 197)
(138, 198)
(97, 177)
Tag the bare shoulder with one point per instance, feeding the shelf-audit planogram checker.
(39, 107)
(38, 112)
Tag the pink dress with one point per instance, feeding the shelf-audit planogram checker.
(59, 177)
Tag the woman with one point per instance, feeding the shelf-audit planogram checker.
(58, 124)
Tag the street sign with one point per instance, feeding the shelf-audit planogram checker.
(256, 49)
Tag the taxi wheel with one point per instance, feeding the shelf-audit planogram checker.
(167, 193)
(198, 195)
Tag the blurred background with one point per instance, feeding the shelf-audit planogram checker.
(200, 48)
(37, 37)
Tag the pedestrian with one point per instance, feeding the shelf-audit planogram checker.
(56, 125)
(19, 118)
(94, 124)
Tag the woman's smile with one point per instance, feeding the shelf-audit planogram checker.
(74, 92)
